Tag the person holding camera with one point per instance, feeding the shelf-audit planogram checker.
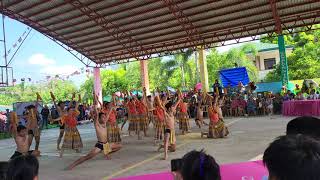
(195, 165)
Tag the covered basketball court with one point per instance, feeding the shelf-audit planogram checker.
(106, 32)
(101, 33)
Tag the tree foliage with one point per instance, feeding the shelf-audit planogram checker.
(217, 61)
(304, 61)
(27, 92)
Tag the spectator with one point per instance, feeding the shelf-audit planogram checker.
(305, 125)
(293, 157)
(45, 112)
(54, 113)
(3, 169)
(23, 168)
(198, 165)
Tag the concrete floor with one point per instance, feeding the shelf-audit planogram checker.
(248, 139)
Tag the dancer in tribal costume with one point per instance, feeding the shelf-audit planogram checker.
(132, 116)
(143, 122)
(102, 144)
(217, 129)
(183, 117)
(32, 123)
(169, 137)
(60, 107)
(150, 107)
(72, 138)
(158, 121)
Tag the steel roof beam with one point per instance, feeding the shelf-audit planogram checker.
(244, 28)
(77, 16)
(99, 9)
(222, 29)
(276, 17)
(131, 45)
(146, 19)
(33, 5)
(12, 3)
(157, 23)
(159, 29)
(44, 30)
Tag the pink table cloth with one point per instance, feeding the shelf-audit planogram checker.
(301, 108)
(252, 170)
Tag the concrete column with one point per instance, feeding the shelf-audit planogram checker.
(203, 70)
(144, 75)
(283, 61)
(97, 83)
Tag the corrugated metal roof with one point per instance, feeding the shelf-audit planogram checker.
(111, 30)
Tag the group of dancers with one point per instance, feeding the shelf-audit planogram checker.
(163, 110)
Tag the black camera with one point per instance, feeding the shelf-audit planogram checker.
(176, 164)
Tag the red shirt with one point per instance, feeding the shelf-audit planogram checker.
(141, 108)
(71, 120)
(159, 113)
(112, 117)
(183, 107)
(132, 108)
(213, 115)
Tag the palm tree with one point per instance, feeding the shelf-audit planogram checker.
(178, 61)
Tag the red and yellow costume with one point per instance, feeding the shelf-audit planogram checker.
(159, 122)
(142, 116)
(72, 138)
(183, 117)
(132, 116)
(217, 129)
(112, 128)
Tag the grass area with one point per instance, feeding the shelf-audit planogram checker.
(299, 82)
(4, 135)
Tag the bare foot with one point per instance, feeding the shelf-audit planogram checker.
(69, 168)
(165, 157)
(58, 148)
(160, 147)
(107, 158)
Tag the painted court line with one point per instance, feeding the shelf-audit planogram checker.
(139, 163)
(257, 158)
(152, 158)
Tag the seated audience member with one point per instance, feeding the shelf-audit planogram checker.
(305, 125)
(313, 95)
(234, 106)
(251, 107)
(23, 168)
(293, 157)
(299, 96)
(277, 104)
(3, 169)
(196, 165)
(242, 105)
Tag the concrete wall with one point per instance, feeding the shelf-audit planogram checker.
(261, 56)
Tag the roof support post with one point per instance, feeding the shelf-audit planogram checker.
(97, 83)
(281, 44)
(144, 75)
(203, 70)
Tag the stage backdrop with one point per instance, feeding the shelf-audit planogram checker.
(234, 76)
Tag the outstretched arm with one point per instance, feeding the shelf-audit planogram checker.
(13, 123)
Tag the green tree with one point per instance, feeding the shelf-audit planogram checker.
(178, 62)
(304, 61)
(241, 56)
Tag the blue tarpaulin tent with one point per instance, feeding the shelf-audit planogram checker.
(234, 76)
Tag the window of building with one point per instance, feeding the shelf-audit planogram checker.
(269, 63)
